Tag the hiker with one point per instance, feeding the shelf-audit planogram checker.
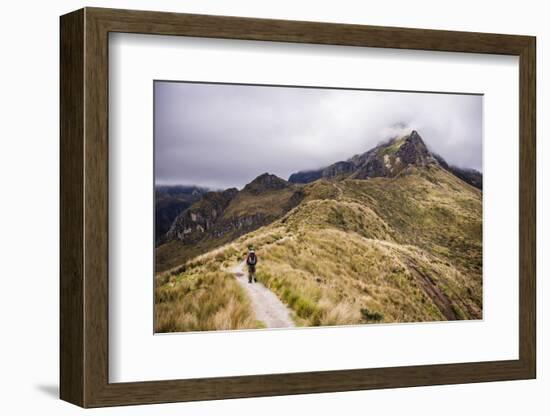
(251, 260)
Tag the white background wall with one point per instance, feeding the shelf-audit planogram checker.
(29, 158)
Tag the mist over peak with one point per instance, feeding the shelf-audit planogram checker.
(230, 133)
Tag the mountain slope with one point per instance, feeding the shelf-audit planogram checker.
(220, 217)
(397, 242)
(364, 256)
(353, 253)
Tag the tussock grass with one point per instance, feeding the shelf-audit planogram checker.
(359, 251)
(342, 278)
(201, 298)
(406, 249)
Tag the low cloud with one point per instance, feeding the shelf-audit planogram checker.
(221, 136)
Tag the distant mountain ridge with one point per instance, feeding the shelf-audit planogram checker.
(387, 160)
(471, 176)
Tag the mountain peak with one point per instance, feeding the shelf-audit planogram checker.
(264, 182)
(414, 136)
(413, 151)
(388, 159)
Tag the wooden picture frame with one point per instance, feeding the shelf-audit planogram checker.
(84, 207)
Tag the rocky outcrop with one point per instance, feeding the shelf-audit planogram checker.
(170, 201)
(413, 150)
(192, 223)
(234, 212)
(388, 160)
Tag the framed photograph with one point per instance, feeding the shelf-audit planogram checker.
(255, 207)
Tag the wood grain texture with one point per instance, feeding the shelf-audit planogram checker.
(96, 208)
(162, 23)
(528, 208)
(84, 202)
(71, 208)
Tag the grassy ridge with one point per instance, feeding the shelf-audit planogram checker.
(405, 249)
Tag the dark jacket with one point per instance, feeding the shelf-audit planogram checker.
(250, 259)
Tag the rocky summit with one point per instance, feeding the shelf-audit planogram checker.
(388, 160)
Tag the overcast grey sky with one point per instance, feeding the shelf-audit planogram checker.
(220, 136)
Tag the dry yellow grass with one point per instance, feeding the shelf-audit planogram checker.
(201, 297)
(400, 250)
(383, 250)
(331, 277)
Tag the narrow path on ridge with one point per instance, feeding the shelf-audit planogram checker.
(266, 305)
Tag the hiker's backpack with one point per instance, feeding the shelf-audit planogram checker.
(252, 259)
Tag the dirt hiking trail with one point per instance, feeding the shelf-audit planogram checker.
(266, 305)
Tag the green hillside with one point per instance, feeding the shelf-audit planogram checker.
(387, 249)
